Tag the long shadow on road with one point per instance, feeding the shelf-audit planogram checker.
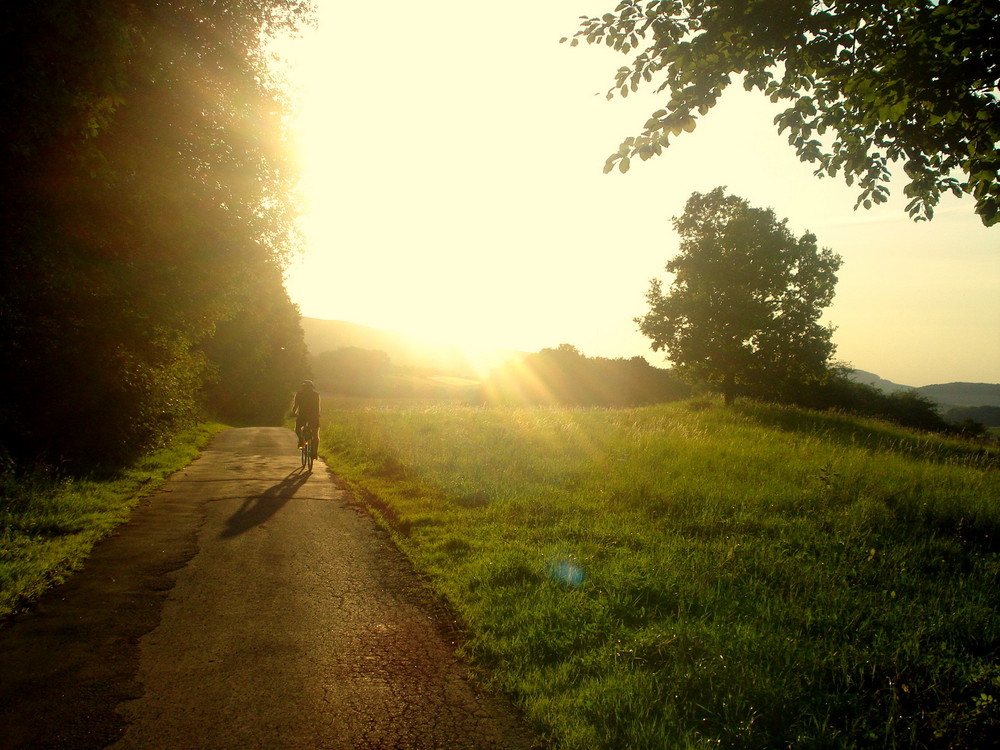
(259, 508)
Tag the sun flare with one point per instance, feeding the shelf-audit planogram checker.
(464, 203)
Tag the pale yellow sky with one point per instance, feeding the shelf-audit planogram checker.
(453, 172)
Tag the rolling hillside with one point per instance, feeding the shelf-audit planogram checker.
(963, 394)
(943, 394)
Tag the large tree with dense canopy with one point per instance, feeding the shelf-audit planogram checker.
(742, 312)
(869, 84)
(147, 201)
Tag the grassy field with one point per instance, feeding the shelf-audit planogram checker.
(48, 525)
(688, 575)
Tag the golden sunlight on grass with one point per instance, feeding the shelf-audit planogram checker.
(685, 575)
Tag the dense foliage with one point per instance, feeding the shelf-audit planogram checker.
(147, 205)
(256, 355)
(988, 416)
(838, 392)
(742, 312)
(868, 84)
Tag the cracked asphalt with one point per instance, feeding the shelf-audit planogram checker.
(247, 604)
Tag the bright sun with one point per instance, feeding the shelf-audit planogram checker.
(427, 211)
(380, 249)
(452, 177)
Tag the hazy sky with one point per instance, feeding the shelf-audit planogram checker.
(453, 172)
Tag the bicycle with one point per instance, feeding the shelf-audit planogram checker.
(310, 440)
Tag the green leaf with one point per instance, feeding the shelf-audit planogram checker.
(858, 79)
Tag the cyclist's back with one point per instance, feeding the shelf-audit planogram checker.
(306, 409)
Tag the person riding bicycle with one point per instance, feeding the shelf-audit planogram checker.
(306, 410)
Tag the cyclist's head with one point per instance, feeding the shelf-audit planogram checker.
(308, 384)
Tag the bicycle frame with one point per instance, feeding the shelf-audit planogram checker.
(310, 440)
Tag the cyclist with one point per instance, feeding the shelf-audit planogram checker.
(306, 410)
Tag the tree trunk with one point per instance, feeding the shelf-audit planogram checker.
(729, 389)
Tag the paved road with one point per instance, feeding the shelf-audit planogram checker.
(248, 604)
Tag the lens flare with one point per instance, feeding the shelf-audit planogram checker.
(567, 572)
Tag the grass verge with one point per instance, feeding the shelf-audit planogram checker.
(48, 524)
(687, 575)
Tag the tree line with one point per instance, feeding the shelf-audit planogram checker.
(148, 208)
(566, 376)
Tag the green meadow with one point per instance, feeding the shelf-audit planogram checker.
(688, 575)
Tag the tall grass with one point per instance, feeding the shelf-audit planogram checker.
(49, 524)
(688, 575)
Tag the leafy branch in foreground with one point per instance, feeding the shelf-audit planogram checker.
(868, 83)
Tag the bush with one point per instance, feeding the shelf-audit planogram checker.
(906, 408)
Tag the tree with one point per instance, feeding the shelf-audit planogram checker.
(742, 313)
(257, 357)
(869, 83)
(988, 416)
(146, 202)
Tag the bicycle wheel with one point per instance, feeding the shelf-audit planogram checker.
(309, 449)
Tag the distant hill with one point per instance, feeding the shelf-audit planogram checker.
(944, 394)
(870, 378)
(963, 394)
(404, 351)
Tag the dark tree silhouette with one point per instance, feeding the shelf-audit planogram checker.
(742, 311)
(566, 376)
(988, 416)
(257, 356)
(146, 200)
